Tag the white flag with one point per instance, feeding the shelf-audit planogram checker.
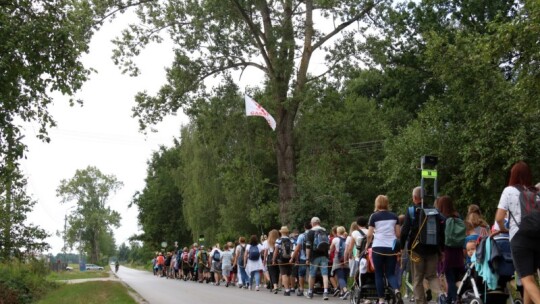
(255, 109)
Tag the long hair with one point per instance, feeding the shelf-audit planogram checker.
(520, 174)
(446, 206)
(273, 235)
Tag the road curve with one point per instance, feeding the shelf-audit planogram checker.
(157, 290)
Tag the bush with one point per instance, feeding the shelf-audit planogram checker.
(23, 282)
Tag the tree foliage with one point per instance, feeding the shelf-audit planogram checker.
(277, 38)
(18, 238)
(455, 79)
(92, 220)
(160, 203)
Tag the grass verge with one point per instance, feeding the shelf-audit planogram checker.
(98, 292)
(77, 274)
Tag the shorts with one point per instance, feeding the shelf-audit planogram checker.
(526, 255)
(319, 262)
(226, 270)
(216, 267)
(285, 269)
(295, 271)
(302, 269)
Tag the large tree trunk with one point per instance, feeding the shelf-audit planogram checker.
(285, 163)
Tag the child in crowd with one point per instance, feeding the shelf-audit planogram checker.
(471, 250)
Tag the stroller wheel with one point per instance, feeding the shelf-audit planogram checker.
(518, 301)
(476, 301)
(355, 295)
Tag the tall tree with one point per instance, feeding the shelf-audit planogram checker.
(477, 114)
(160, 203)
(91, 222)
(40, 52)
(18, 238)
(279, 38)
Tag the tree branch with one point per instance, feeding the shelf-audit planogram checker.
(244, 64)
(121, 7)
(340, 27)
(256, 35)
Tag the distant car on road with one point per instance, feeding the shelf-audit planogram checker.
(93, 267)
(69, 268)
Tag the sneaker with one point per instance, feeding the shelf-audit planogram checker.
(309, 294)
(441, 299)
(345, 296)
(287, 293)
(429, 296)
(299, 292)
(227, 284)
(240, 286)
(325, 296)
(257, 288)
(336, 292)
(399, 300)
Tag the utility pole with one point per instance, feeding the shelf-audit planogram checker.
(65, 238)
(9, 180)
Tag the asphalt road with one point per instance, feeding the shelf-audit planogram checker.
(157, 290)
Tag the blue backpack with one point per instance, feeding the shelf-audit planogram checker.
(254, 254)
(321, 241)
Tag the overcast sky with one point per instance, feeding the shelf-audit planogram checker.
(101, 133)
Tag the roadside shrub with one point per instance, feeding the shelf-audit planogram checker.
(23, 282)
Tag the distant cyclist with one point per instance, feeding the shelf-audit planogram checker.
(116, 266)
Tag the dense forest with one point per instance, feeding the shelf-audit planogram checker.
(454, 79)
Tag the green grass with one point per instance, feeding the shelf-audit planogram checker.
(89, 293)
(76, 274)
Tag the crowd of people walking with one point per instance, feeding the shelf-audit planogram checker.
(395, 248)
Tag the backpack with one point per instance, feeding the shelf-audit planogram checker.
(363, 242)
(191, 256)
(254, 253)
(204, 257)
(241, 256)
(428, 227)
(321, 241)
(285, 249)
(216, 256)
(454, 232)
(341, 249)
(529, 200)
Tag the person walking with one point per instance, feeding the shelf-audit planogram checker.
(340, 266)
(383, 234)
(226, 264)
(253, 262)
(524, 246)
(283, 256)
(271, 265)
(215, 265)
(424, 257)
(239, 261)
(317, 246)
(299, 257)
(453, 265)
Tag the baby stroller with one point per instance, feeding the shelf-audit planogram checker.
(472, 288)
(364, 290)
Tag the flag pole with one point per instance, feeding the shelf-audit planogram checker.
(250, 154)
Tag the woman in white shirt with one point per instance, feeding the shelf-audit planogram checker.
(525, 251)
(253, 261)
